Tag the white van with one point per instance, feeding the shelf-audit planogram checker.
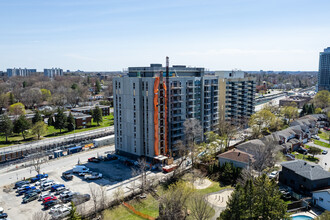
(80, 169)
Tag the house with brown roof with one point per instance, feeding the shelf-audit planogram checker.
(237, 158)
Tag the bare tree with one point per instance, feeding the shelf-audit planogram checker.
(142, 171)
(173, 204)
(193, 133)
(265, 155)
(199, 207)
(246, 174)
(119, 195)
(40, 216)
(103, 198)
(36, 162)
(31, 97)
(95, 197)
(227, 130)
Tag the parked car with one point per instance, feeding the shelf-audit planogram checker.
(50, 203)
(326, 128)
(47, 199)
(94, 159)
(20, 183)
(67, 175)
(45, 195)
(324, 152)
(68, 196)
(273, 174)
(61, 189)
(54, 187)
(24, 187)
(316, 137)
(30, 197)
(93, 176)
(38, 177)
(38, 183)
(42, 184)
(290, 156)
(56, 208)
(47, 186)
(37, 191)
(302, 150)
(61, 213)
(21, 192)
(80, 169)
(3, 215)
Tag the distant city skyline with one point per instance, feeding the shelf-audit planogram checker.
(103, 35)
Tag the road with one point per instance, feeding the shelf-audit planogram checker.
(8, 176)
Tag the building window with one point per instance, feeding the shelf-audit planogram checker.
(147, 86)
(321, 199)
(133, 85)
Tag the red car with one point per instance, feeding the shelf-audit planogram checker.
(326, 128)
(47, 199)
(94, 159)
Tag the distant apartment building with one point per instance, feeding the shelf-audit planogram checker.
(142, 107)
(324, 70)
(51, 73)
(20, 72)
(236, 96)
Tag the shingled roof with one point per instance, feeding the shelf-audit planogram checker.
(236, 155)
(307, 170)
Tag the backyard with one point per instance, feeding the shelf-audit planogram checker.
(150, 205)
(52, 132)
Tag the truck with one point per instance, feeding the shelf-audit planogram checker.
(80, 169)
(169, 168)
(103, 141)
(39, 177)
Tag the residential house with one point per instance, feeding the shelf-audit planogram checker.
(237, 158)
(321, 198)
(88, 109)
(304, 177)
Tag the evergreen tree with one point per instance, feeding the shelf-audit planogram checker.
(304, 110)
(21, 125)
(37, 117)
(50, 120)
(6, 126)
(24, 84)
(259, 198)
(97, 86)
(97, 115)
(60, 120)
(11, 99)
(71, 125)
(312, 108)
(73, 213)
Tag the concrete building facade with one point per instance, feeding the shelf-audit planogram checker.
(140, 108)
(20, 72)
(236, 96)
(324, 70)
(51, 73)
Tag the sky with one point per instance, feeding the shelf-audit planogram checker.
(109, 35)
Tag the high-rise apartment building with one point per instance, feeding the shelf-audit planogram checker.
(324, 70)
(147, 123)
(51, 73)
(20, 72)
(236, 96)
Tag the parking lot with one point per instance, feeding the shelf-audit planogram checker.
(115, 175)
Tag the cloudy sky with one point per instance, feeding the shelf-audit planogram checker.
(112, 35)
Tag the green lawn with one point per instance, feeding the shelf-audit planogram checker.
(52, 132)
(324, 135)
(321, 143)
(305, 157)
(149, 205)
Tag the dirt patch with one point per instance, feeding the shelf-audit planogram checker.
(202, 183)
(219, 199)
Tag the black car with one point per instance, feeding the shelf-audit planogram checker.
(3, 215)
(302, 150)
(94, 159)
(32, 191)
(67, 175)
(50, 203)
(20, 183)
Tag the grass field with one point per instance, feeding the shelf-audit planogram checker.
(305, 157)
(149, 205)
(324, 135)
(321, 143)
(52, 132)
